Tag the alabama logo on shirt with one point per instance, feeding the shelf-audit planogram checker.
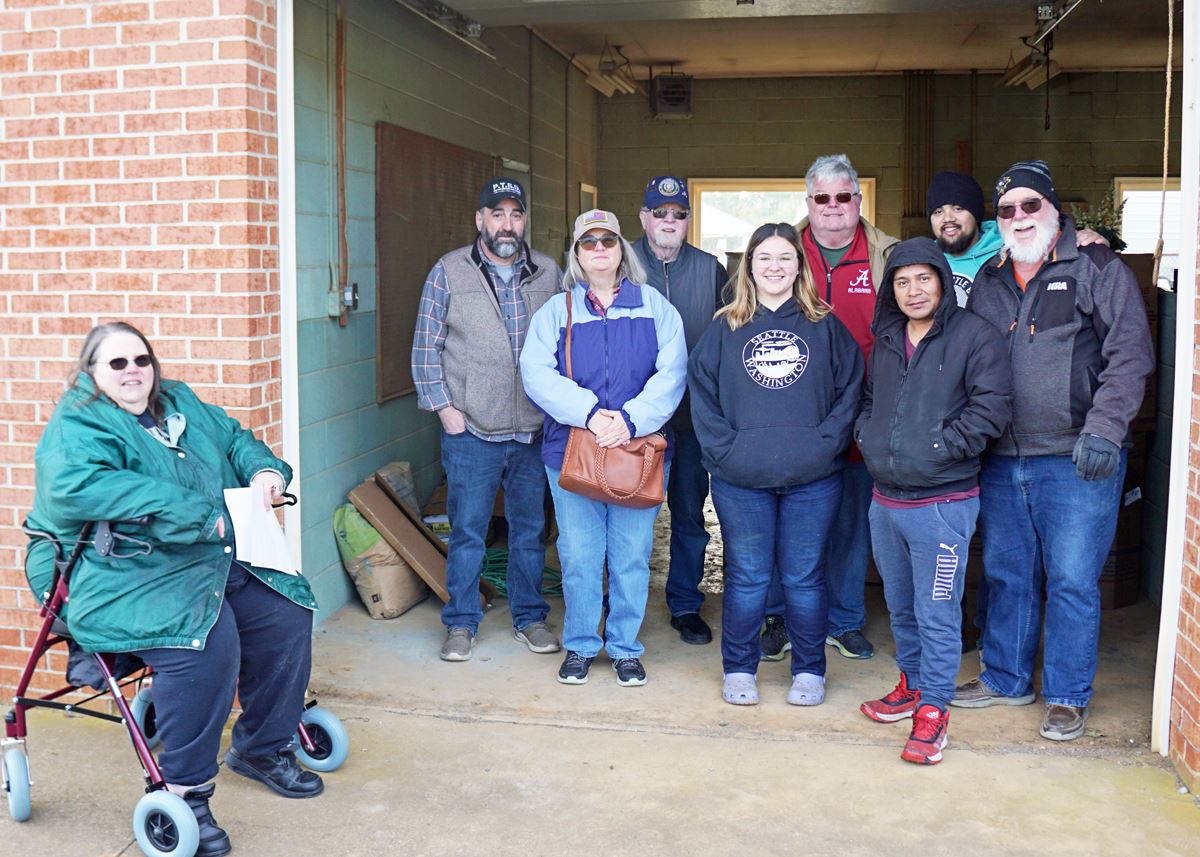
(775, 358)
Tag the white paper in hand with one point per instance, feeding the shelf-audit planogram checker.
(260, 540)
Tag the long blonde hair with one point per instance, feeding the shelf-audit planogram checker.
(744, 304)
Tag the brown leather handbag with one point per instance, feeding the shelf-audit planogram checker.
(627, 475)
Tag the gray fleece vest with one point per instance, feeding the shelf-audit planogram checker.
(477, 359)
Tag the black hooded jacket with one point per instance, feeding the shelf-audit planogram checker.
(924, 423)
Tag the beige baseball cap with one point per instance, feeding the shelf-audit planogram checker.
(596, 219)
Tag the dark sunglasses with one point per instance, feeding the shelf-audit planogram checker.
(823, 198)
(670, 214)
(589, 242)
(119, 363)
(1029, 206)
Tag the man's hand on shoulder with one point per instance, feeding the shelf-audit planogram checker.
(452, 419)
(1084, 237)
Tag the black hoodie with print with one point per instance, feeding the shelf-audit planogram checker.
(773, 402)
(925, 422)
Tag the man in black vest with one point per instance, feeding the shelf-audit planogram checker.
(692, 281)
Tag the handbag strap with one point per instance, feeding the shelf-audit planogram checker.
(648, 453)
(567, 344)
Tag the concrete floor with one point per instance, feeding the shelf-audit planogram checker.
(494, 757)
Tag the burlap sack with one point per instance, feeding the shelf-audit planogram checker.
(386, 584)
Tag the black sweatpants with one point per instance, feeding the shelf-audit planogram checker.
(260, 648)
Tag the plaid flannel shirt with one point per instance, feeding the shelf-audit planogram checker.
(430, 336)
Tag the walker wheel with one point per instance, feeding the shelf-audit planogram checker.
(165, 826)
(144, 716)
(332, 744)
(16, 783)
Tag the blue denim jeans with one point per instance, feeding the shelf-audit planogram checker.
(687, 487)
(589, 534)
(475, 470)
(921, 554)
(767, 529)
(850, 543)
(1042, 523)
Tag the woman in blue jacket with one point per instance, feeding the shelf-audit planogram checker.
(775, 382)
(629, 363)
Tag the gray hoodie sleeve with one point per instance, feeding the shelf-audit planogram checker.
(1126, 349)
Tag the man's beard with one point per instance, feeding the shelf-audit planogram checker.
(503, 243)
(961, 244)
(1031, 254)
(666, 241)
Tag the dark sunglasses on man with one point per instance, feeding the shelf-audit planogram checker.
(670, 214)
(1008, 211)
(589, 242)
(119, 363)
(843, 197)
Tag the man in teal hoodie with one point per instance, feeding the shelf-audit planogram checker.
(954, 203)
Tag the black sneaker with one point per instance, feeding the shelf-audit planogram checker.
(851, 644)
(775, 642)
(574, 669)
(629, 672)
(214, 842)
(692, 629)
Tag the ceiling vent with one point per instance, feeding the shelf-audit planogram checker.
(671, 96)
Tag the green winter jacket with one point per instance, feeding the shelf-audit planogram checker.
(96, 463)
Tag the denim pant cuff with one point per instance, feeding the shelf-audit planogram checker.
(1073, 701)
(534, 621)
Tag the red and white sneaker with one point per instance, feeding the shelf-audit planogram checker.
(897, 705)
(928, 737)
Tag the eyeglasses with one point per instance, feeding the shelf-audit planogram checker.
(119, 363)
(782, 260)
(589, 242)
(670, 214)
(842, 197)
(1029, 206)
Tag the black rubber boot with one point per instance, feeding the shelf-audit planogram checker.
(213, 840)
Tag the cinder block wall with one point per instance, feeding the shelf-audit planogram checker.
(1102, 125)
(139, 183)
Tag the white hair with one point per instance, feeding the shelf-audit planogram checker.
(828, 168)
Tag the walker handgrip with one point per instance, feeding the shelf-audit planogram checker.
(288, 500)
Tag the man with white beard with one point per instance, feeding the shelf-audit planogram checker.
(471, 324)
(1051, 488)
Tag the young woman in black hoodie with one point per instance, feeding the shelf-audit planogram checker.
(775, 383)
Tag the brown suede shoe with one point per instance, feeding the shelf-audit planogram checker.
(1063, 722)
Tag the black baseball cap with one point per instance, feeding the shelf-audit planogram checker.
(499, 189)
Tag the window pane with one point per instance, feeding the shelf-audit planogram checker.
(727, 218)
(1139, 228)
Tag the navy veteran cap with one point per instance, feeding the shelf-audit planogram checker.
(663, 189)
(499, 189)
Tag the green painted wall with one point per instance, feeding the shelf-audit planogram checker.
(526, 105)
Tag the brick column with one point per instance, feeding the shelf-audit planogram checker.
(139, 183)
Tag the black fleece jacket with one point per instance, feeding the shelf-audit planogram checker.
(773, 402)
(924, 422)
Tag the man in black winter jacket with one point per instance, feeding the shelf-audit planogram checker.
(938, 390)
(1080, 351)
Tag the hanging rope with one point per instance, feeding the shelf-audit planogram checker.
(1162, 202)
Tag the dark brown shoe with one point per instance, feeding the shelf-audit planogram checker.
(1063, 722)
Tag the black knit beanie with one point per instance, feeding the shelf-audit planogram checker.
(1034, 175)
(949, 188)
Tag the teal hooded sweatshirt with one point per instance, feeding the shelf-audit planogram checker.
(966, 266)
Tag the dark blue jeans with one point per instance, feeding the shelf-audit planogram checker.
(849, 547)
(260, 648)
(1042, 523)
(764, 529)
(687, 488)
(921, 554)
(475, 470)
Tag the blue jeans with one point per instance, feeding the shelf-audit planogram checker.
(475, 470)
(687, 487)
(921, 554)
(846, 579)
(1042, 523)
(775, 528)
(589, 533)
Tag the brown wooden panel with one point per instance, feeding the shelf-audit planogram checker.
(426, 194)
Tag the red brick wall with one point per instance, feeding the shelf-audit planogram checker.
(1185, 693)
(139, 183)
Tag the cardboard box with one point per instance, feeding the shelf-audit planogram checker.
(414, 542)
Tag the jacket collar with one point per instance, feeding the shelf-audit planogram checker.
(642, 245)
(629, 297)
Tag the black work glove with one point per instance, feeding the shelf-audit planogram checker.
(1095, 458)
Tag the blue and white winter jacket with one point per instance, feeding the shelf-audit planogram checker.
(632, 359)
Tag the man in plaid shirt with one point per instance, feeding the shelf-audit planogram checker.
(475, 309)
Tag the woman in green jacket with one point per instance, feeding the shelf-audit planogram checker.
(124, 443)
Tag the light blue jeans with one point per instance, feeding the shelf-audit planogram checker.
(589, 533)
